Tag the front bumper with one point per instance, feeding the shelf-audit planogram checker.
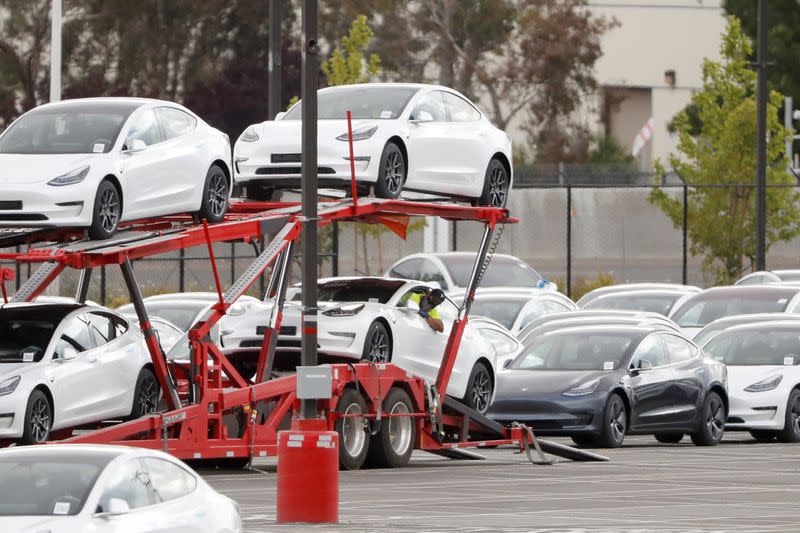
(757, 410)
(40, 204)
(12, 415)
(549, 415)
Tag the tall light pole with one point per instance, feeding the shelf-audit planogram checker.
(274, 97)
(761, 141)
(55, 51)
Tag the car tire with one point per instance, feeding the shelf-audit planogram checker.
(259, 193)
(146, 395)
(496, 185)
(712, 422)
(763, 435)
(479, 388)
(391, 173)
(38, 419)
(354, 435)
(377, 344)
(615, 423)
(215, 196)
(791, 427)
(106, 213)
(669, 438)
(394, 443)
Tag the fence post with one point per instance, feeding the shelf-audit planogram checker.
(103, 295)
(454, 236)
(181, 270)
(685, 232)
(335, 249)
(19, 270)
(569, 241)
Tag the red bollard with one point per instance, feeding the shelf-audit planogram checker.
(308, 476)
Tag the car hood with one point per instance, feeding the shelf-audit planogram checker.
(326, 129)
(8, 370)
(38, 524)
(542, 382)
(24, 169)
(740, 377)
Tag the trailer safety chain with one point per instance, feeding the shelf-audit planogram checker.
(433, 406)
(543, 460)
(490, 253)
(252, 418)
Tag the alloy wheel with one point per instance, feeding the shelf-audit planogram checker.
(40, 420)
(481, 390)
(498, 187)
(715, 420)
(393, 172)
(400, 429)
(217, 195)
(353, 435)
(617, 421)
(109, 210)
(795, 415)
(148, 395)
(379, 346)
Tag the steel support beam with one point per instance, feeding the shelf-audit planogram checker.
(274, 97)
(761, 140)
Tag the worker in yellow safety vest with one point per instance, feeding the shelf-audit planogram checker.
(427, 302)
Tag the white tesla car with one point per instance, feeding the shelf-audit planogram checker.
(64, 365)
(95, 162)
(763, 378)
(76, 488)
(416, 137)
(368, 318)
(515, 309)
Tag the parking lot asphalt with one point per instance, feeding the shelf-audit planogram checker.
(739, 485)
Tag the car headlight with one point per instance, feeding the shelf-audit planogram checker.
(359, 134)
(10, 385)
(70, 178)
(581, 390)
(249, 135)
(765, 384)
(345, 310)
(239, 308)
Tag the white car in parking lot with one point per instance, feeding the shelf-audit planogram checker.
(515, 309)
(76, 488)
(415, 137)
(64, 365)
(95, 162)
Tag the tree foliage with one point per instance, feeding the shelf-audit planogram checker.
(720, 165)
(349, 62)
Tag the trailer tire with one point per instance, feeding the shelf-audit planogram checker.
(394, 443)
(353, 432)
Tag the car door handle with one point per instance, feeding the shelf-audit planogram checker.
(92, 360)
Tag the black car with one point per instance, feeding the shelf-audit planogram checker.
(598, 383)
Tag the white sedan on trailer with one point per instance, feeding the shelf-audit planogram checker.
(65, 365)
(412, 137)
(75, 488)
(763, 378)
(95, 162)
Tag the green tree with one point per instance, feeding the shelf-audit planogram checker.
(349, 62)
(720, 164)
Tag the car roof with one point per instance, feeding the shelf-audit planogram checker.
(109, 100)
(755, 317)
(392, 84)
(55, 307)
(76, 450)
(766, 288)
(760, 326)
(611, 328)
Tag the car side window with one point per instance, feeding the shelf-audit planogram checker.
(430, 272)
(532, 312)
(432, 103)
(460, 109)
(101, 329)
(175, 122)
(502, 343)
(121, 325)
(169, 481)
(146, 129)
(76, 335)
(678, 350)
(130, 483)
(650, 349)
(411, 269)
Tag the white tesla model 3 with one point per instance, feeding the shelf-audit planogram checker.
(412, 137)
(64, 365)
(77, 488)
(95, 162)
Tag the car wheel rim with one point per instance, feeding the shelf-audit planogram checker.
(353, 430)
(109, 210)
(796, 415)
(217, 195)
(481, 391)
(393, 171)
(379, 347)
(40, 420)
(716, 418)
(617, 421)
(148, 396)
(400, 429)
(498, 187)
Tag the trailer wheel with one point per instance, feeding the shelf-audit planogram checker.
(395, 441)
(353, 430)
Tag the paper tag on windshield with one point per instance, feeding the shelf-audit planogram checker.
(99, 148)
(373, 300)
(27, 357)
(61, 508)
(608, 365)
(788, 361)
(386, 114)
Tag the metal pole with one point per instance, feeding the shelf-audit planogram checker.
(335, 249)
(685, 229)
(83, 285)
(454, 236)
(181, 270)
(569, 241)
(55, 52)
(761, 146)
(788, 105)
(274, 99)
(308, 353)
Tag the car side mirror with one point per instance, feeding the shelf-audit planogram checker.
(280, 115)
(644, 366)
(69, 354)
(420, 117)
(507, 363)
(137, 145)
(115, 507)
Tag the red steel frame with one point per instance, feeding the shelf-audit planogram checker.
(197, 430)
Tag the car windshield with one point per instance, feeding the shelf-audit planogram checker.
(575, 351)
(47, 484)
(355, 290)
(503, 310)
(654, 303)
(70, 128)
(182, 314)
(363, 102)
(502, 271)
(707, 307)
(26, 332)
(752, 348)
